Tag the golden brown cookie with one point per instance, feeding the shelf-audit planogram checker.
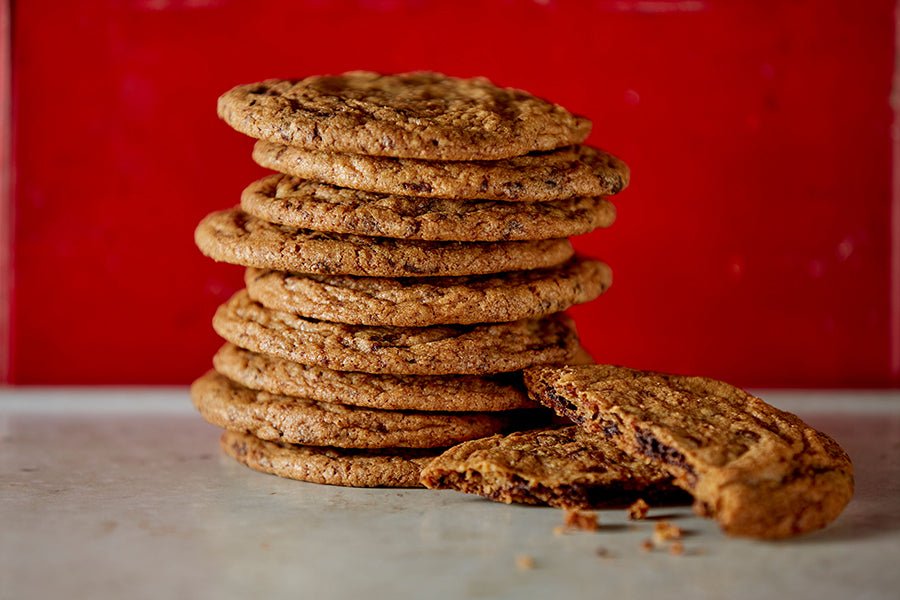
(563, 466)
(234, 237)
(545, 176)
(297, 420)
(304, 204)
(433, 300)
(438, 350)
(391, 467)
(418, 115)
(759, 471)
(387, 392)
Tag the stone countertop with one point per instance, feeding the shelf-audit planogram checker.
(122, 493)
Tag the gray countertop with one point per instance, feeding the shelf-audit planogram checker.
(123, 493)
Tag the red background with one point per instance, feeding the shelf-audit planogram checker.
(755, 243)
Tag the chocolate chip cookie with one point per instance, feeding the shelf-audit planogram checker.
(391, 467)
(300, 203)
(417, 115)
(433, 300)
(564, 466)
(234, 237)
(545, 176)
(296, 420)
(388, 392)
(759, 471)
(438, 350)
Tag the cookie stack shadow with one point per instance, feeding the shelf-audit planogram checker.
(407, 261)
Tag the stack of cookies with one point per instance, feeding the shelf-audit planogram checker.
(407, 262)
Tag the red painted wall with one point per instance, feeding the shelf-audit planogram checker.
(754, 243)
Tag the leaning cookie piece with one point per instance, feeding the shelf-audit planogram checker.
(267, 373)
(235, 237)
(759, 471)
(420, 115)
(389, 467)
(565, 467)
(304, 204)
(302, 421)
(439, 350)
(540, 177)
(404, 302)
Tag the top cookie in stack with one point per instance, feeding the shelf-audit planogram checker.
(411, 253)
(425, 116)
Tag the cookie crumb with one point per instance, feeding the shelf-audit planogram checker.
(524, 562)
(665, 531)
(647, 545)
(638, 510)
(604, 553)
(585, 520)
(676, 549)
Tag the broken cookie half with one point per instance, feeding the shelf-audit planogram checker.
(759, 471)
(563, 466)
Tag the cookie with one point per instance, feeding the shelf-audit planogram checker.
(300, 203)
(394, 467)
(387, 392)
(565, 467)
(759, 471)
(545, 176)
(234, 237)
(438, 350)
(416, 115)
(433, 300)
(296, 420)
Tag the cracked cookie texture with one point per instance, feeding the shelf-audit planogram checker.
(438, 350)
(433, 300)
(391, 467)
(296, 420)
(420, 115)
(300, 203)
(759, 471)
(235, 237)
(389, 392)
(564, 173)
(562, 466)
